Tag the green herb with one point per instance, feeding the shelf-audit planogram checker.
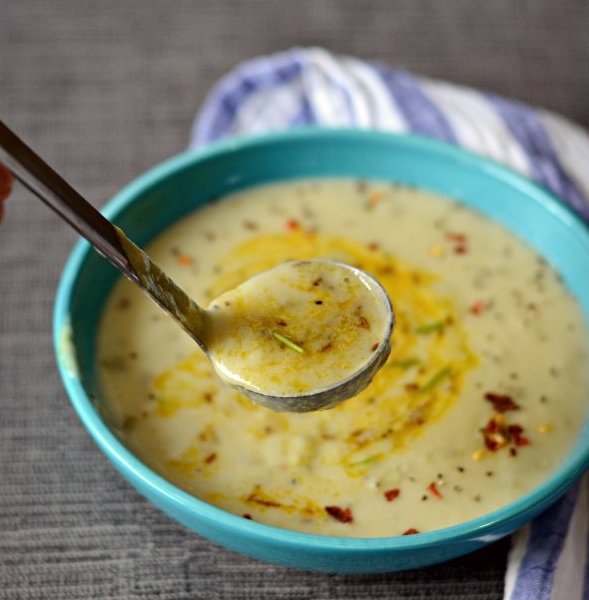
(431, 327)
(406, 363)
(435, 379)
(288, 342)
(366, 461)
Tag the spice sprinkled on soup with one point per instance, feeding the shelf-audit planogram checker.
(460, 420)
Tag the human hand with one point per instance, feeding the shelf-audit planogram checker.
(5, 187)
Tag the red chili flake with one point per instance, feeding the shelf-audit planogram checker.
(411, 387)
(512, 452)
(492, 426)
(502, 402)
(292, 225)
(343, 515)
(375, 198)
(460, 242)
(392, 494)
(363, 322)
(317, 281)
(247, 516)
(478, 307)
(375, 347)
(281, 322)
(251, 225)
(494, 441)
(516, 432)
(184, 260)
(457, 238)
(374, 246)
(432, 488)
(210, 458)
(495, 434)
(327, 347)
(411, 531)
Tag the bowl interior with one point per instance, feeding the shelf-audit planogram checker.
(184, 183)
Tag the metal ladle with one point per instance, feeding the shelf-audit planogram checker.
(111, 242)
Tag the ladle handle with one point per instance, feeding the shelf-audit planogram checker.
(36, 175)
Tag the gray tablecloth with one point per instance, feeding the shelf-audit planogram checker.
(106, 89)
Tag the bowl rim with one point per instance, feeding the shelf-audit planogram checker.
(481, 527)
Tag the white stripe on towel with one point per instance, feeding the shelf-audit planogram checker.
(570, 569)
(516, 555)
(572, 145)
(476, 125)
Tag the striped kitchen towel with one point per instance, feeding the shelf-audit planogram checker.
(548, 559)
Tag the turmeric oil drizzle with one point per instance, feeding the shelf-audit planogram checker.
(391, 410)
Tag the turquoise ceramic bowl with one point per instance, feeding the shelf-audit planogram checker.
(181, 184)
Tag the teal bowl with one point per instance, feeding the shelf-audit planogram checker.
(174, 188)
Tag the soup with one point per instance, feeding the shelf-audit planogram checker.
(480, 399)
(302, 327)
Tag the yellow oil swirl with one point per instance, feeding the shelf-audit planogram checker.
(421, 380)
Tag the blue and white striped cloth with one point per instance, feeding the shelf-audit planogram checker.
(549, 558)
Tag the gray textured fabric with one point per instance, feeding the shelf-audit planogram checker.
(106, 89)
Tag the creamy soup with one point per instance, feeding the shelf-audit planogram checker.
(481, 397)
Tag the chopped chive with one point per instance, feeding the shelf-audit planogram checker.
(406, 363)
(435, 380)
(365, 461)
(288, 342)
(431, 327)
